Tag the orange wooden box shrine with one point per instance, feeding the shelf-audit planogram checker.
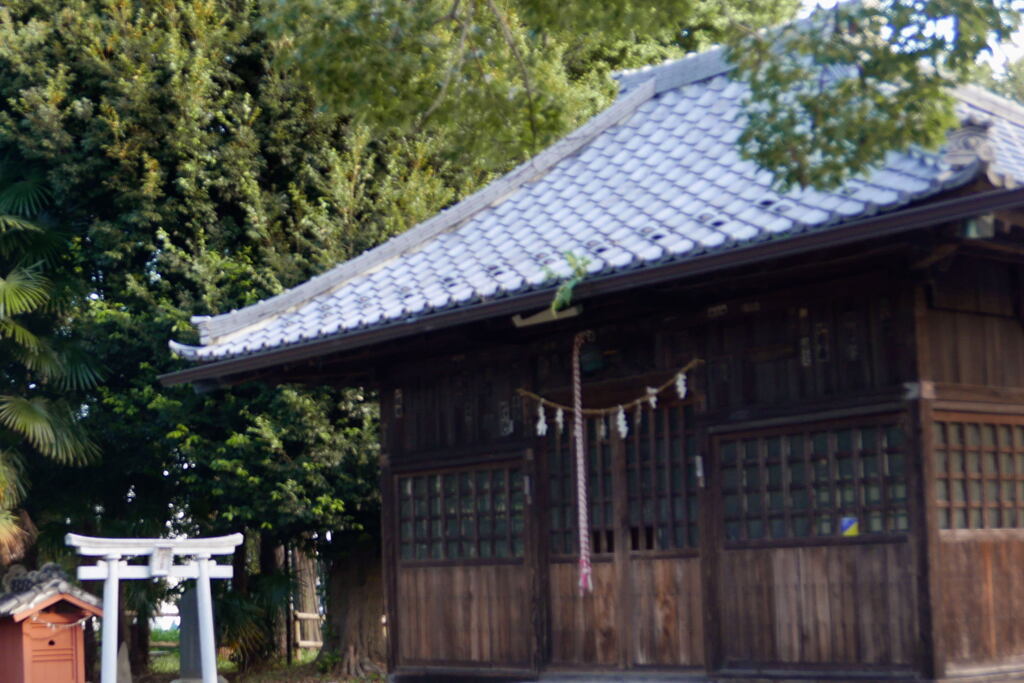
(41, 634)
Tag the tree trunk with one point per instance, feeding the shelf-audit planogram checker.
(306, 598)
(355, 606)
(240, 568)
(272, 562)
(138, 645)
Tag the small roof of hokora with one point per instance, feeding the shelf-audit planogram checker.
(654, 179)
(27, 592)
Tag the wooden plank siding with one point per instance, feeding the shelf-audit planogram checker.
(974, 325)
(668, 629)
(975, 355)
(584, 628)
(464, 614)
(981, 605)
(828, 604)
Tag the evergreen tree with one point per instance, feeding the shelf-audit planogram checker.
(198, 177)
(42, 366)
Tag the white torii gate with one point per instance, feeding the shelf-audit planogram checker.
(161, 551)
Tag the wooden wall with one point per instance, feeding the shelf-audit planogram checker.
(837, 343)
(826, 604)
(981, 604)
(975, 355)
(584, 629)
(831, 342)
(667, 626)
(974, 327)
(975, 349)
(657, 623)
(464, 614)
(813, 602)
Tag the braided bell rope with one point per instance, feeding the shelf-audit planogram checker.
(586, 583)
(578, 411)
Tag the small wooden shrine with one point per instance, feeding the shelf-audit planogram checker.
(42, 618)
(777, 435)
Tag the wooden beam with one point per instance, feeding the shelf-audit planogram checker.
(937, 254)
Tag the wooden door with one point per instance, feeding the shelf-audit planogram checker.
(465, 594)
(814, 568)
(643, 494)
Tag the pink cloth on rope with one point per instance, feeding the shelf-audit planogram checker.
(586, 583)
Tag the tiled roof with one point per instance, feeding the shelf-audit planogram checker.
(655, 178)
(29, 589)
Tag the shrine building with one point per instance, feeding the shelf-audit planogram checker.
(801, 413)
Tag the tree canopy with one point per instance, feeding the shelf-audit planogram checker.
(829, 94)
(43, 366)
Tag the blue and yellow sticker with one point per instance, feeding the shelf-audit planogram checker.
(848, 526)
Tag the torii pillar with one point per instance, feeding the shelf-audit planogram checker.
(161, 551)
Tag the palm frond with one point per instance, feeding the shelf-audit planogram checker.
(78, 368)
(13, 538)
(72, 446)
(12, 223)
(24, 197)
(32, 418)
(10, 329)
(68, 367)
(22, 291)
(41, 359)
(49, 426)
(12, 479)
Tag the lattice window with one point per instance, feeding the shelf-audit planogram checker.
(979, 467)
(829, 481)
(562, 490)
(661, 483)
(466, 514)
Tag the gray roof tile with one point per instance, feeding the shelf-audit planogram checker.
(656, 177)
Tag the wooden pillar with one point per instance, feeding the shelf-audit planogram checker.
(925, 523)
(710, 546)
(542, 530)
(535, 560)
(391, 413)
(624, 612)
(389, 532)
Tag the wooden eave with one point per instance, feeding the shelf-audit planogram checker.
(54, 599)
(917, 217)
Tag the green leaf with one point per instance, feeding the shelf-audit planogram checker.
(48, 426)
(21, 335)
(23, 290)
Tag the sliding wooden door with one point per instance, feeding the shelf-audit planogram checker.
(644, 504)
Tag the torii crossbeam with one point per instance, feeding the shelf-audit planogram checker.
(161, 551)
